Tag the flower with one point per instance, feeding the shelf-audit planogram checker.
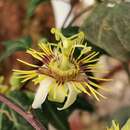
(65, 70)
(115, 126)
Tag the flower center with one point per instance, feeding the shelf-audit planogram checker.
(63, 70)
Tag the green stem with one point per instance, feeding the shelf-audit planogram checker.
(34, 122)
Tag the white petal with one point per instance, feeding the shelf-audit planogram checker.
(42, 92)
(71, 97)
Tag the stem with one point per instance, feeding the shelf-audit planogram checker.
(79, 14)
(68, 15)
(27, 116)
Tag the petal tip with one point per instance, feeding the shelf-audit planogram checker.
(36, 106)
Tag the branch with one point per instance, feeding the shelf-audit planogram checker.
(72, 3)
(67, 17)
(112, 72)
(27, 116)
(79, 14)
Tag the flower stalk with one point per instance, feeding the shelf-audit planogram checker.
(33, 121)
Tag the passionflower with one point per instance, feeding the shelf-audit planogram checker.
(115, 126)
(65, 70)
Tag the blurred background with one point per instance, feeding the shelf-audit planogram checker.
(106, 24)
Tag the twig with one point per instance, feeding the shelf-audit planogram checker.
(27, 116)
(79, 14)
(72, 3)
(112, 72)
(68, 15)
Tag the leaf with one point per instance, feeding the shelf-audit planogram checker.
(83, 104)
(59, 119)
(69, 31)
(108, 27)
(21, 98)
(126, 126)
(32, 6)
(13, 46)
(14, 121)
(49, 113)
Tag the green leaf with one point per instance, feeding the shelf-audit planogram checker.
(23, 99)
(49, 113)
(32, 6)
(126, 126)
(13, 46)
(83, 104)
(69, 31)
(15, 122)
(108, 27)
(59, 119)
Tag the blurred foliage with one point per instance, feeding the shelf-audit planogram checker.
(59, 119)
(48, 113)
(10, 120)
(126, 126)
(32, 6)
(116, 126)
(106, 26)
(121, 115)
(11, 46)
(15, 82)
(3, 88)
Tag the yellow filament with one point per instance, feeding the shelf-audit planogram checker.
(94, 92)
(92, 56)
(26, 63)
(24, 71)
(34, 54)
(87, 56)
(30, 77)
(98, 86)
(91, 61)
(45, 48)
(102, 79)
(80, 86)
